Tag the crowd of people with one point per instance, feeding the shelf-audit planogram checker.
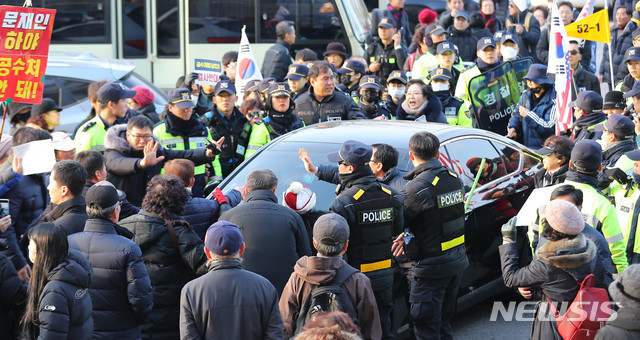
(128, 237)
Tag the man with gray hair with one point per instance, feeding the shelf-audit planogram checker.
(275, 235)
(120, 290)
(331, 239)
(278, 58)
(228, 302)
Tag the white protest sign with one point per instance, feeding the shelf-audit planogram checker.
(37, 157)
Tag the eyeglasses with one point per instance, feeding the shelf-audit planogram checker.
(373, 161)
(140, 136)
(574, 52)
(413, 94)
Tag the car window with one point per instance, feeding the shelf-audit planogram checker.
(283, 160)
(510, 156)
(467, 160)
(65, 91)
(219, 21)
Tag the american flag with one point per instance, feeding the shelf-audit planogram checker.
(559, 65)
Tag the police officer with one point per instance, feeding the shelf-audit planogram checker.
(455, 109)
(587, 109)
(280, 118)
(434, 34)
(632, 62)
(369, 99)
(434, 241)
(614, 103)
(297, 78)
(112, 98)
(396, 88)
(585, 163)
(386, 53)
(374, 213)
(181, 130)
(626, 199)
(487, 53)
(350, 74)
(617, 136)
(225, 120)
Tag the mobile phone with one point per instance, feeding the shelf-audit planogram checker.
(4, 207)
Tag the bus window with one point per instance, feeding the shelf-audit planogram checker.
(77, 21)
(167, 28)
(315, 20)
(135, 31)
(220, 21)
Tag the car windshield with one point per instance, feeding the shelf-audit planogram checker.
(283, 160)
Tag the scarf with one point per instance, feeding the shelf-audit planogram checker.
(411, 112)
(180, 127)
(489, 21)
(484, 66)
(397, 13)
(346, 179)
(579, 177)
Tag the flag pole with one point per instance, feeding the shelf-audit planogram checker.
(606, 8)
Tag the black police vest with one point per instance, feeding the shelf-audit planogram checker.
(444, 224)
(370, 240)
(451, 107)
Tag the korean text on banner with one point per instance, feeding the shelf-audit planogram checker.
(209, 71)
(25, 34)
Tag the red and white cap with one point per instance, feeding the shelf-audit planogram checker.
(299, 198)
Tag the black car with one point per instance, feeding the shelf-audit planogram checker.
(494, 201)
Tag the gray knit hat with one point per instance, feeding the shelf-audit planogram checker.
(626, 288)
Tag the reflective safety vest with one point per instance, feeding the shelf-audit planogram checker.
(370, 240)
(90, 135)
(462, 87)
(172, 142)
(627, 209)
(601, 214)
(457, 112)
(446, 231)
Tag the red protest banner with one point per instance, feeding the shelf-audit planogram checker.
(25, 34)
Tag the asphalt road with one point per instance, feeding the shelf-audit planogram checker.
(475, 322)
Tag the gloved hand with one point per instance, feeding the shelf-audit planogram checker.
(509, 229)
(219, 196)
(190, 78)
(617, 175)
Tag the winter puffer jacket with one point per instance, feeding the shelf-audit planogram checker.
(123, 163)
(27, 201)
(558, 268)
(169, 268)
(201, 213)
(120, 289)
(540, 123)
(13, 295)
(621, 41)
(64, 309)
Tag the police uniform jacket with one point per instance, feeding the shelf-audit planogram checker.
(420, 202)
(370, 241)
(391, 57)
(123, 163)
(236, 134)
(336, 106)
(583, 127)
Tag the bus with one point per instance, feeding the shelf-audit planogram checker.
(163, 37)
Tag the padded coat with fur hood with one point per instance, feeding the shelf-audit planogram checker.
(123, 163)
(558, 268)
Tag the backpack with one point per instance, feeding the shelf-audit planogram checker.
(328, 298)
(585, 316)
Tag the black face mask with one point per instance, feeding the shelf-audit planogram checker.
(370, 96)
(345, 79)
(536, 89)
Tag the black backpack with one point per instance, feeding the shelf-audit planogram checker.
(328, 298)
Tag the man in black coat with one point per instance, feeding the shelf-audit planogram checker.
(321, 103)
(228, 302)
(583, 80)
(120, 289)
(464, 37)
(66, 184)
(278, 57)
(134, 156)
(386, 53)
(275, 235)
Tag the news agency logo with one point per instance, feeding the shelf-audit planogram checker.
(529, 311)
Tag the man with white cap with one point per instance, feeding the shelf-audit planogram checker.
(560, 264)
(63, 146)
(331, 239)
(228, 302)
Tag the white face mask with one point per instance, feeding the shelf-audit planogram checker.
(195, 99)
(508, 52)
(439, 86)
(397, 92)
